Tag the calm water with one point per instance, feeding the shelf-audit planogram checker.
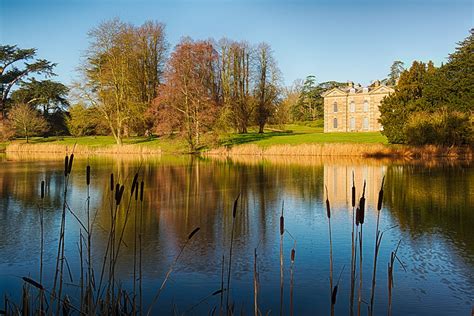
(431, 206)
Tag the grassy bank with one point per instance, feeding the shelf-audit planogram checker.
(289, 140)
(95, 145)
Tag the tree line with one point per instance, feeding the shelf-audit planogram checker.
(433, 105)
(130, 83)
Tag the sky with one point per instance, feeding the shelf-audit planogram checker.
(333, 40)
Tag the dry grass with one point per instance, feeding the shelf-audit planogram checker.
(81, 149)
(346, 150)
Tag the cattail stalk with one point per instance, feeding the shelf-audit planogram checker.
(292, 282)
(282, 231)
(234, 213)
(378, 240)
(360, 219)
(353, 247)
(140, 272)
(41, 243)
(393, 256)
(155, 299)
(255, 283)
(328, 213)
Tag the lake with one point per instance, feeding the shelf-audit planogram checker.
(428, 207)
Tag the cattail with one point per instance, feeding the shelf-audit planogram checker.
(42, 189)
(357, 216)
(362, 206)
(33, 282)
(282, 225)
(328, 207)
(66, 165)
(334, 295)
(353, 191)
(293, 252)
(69, 167)
(112, 182)
(88, 175)
(234, 209)
(134, 183)
(136, 193)
(193, 232)
(117, 190)
(119, 195)
(379, 202)
(142, 184)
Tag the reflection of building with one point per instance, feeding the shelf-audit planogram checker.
(338, 179)
(354, 108)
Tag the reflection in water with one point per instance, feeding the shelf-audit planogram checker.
(430, 204)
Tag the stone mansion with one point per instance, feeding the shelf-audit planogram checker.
(354, 108)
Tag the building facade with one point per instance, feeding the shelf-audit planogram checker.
(354, 108)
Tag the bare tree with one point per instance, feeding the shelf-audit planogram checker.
(267, 85)
(27, 121)
(123, 68)
(187, 103)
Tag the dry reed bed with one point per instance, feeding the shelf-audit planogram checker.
(347, 150)
(81, 149)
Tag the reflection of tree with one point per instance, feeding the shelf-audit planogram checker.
(436, 199)
(183, 193)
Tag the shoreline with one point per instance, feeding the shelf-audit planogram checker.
(360, 150)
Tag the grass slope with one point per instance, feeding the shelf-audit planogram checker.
(293, 134)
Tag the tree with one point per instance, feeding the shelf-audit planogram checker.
(11, 73)
(267, 88)
(235, 80)
(83, 121)
(453, 83)
(407, 98)
(123, 69)
(46, 95)
(187, 102)
(49, 97)
(310, 105)
(395, 71)
(27, 121)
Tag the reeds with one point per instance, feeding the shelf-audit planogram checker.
(82, 149)
(366, 150)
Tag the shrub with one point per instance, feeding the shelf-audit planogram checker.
(442, 127)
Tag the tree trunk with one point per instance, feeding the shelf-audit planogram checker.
(260, 128)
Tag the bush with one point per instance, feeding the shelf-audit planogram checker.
(442, 127)
(6, 131)
(83, 121)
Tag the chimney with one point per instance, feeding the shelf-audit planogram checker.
(350, 84)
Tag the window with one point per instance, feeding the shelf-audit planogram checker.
(353, 123)
(335, 107)
(366, 106)
(335, 122)
(365, 123)
(352, 106)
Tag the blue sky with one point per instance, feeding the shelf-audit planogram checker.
(333, 40)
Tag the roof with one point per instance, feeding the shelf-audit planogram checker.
(359, 90)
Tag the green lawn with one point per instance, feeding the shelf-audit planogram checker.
(293, 134)
(167, 144)
(290, 134)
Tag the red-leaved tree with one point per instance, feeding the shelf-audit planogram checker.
(188, 101)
